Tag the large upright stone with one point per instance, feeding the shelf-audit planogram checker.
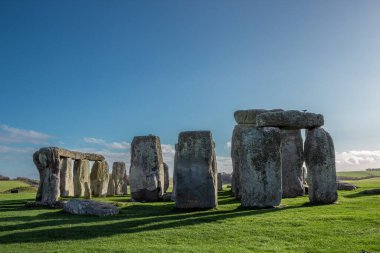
(117, 179)
(195, 171)
(66, 181)
(236, 159)
(82, 186)
(124, 188)
(166, 177)
(220, 182)
(291, 119)
(99, 178)
(260, 167)
(292, 161)
(146, 175)
(47, 163)
(320, 162)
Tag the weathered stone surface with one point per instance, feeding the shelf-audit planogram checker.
(166, 177)
(290, 119)
(124, 188)
(320, 162)
(82, 183)
(90, 207)
(260, 167)
(220, 182)
(111, 187)
(115, 186)
(249, 116)
(47, 163)
(146, 175)
(345, 186)
(195, 172)
(99, 178)
(66, 181)
(292, 161)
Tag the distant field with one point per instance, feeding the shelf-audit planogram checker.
(358, 174)
(11, 184)
(351, 225)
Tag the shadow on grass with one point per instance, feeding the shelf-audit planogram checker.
(364, 193)
(60, 226)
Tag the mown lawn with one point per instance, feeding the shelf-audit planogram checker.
(349, 226)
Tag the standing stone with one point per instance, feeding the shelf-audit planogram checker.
(47, 163)
(236, 159)
(292, 161)
(320, 162)
(82, 179)
(220, 182)
(99, 178)
(66, 181)
(111, 186)
(195, 171)
(146, 174)
(260, 168)
(118, 172)
(166, 176)
(124, 188)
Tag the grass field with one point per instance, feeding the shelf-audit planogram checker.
(349, 226)
(358, 174)
(11, 184)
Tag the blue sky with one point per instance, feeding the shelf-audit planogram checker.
(90, 75)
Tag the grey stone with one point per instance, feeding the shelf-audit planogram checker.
(195, 172)
(90, 207)
(345, 186)
(82, 182)
(47, 162)
(260, 168)
(249, 116)
(167, 178)
(320, 162)
(292, 161)
(111, 186)
(117, 179)
(290, 119)
(66, 181)
(124, 188)
(220, 182)
(146, 174)
(99, 178)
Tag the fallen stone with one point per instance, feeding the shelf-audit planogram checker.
(260, 168)
(220, 182)
(167, 178)
(58, 204)
(99, 178)
(146, 175)
(195, 172)
(90, 207)
(292, 161)
(249, 116)
(290, 119)
(82, 184)
(345, 186)
(320, 162)
(66, 181)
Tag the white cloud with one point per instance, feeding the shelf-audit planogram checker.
(357, 160)
(224, 164)
(14, 150)
(93, 140)
(15, 135)
(227, 145)
(110, 145)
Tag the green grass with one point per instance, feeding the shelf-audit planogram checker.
(349, 226)
(12, 184)
(358, 174)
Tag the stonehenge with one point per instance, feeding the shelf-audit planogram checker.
(195, 171)
(146, 174)
(268, 157)
(278, 132)
(49, 162)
